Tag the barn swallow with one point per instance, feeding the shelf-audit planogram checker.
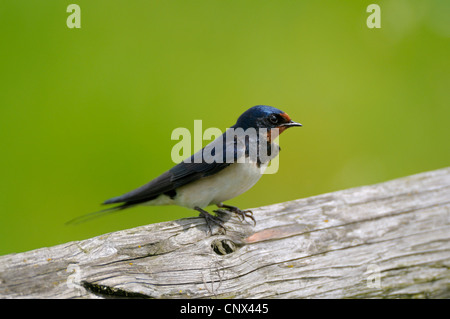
(222, 170)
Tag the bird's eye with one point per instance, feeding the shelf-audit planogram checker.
(273, 119)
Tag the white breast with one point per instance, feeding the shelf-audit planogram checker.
(228, 183)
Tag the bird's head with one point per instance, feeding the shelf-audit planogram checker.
(263, 116)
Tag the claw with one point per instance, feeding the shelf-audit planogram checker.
(211, 220)
(242, 214)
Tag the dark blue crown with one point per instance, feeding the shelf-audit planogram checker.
(254, 115)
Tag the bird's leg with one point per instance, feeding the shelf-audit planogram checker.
(241, 213)
(210, 219)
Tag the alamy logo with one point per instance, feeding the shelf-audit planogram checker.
(236, 145)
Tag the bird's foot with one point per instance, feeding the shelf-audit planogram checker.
(211, 220)
(242, 214)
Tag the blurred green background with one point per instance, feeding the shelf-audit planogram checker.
(87, 114)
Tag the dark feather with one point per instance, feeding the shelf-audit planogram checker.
(86, 217)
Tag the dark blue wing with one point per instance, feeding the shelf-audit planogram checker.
(212, 161)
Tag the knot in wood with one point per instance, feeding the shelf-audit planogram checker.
(223, 246)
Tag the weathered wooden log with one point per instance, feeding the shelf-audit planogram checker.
(389, 240)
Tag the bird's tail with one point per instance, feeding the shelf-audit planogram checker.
(103, 212)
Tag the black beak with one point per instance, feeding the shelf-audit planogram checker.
(291, 123)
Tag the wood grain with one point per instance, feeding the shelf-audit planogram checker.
(389, 240)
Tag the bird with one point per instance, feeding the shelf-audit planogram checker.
(225, 168)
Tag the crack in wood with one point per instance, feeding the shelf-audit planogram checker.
(111, 292)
